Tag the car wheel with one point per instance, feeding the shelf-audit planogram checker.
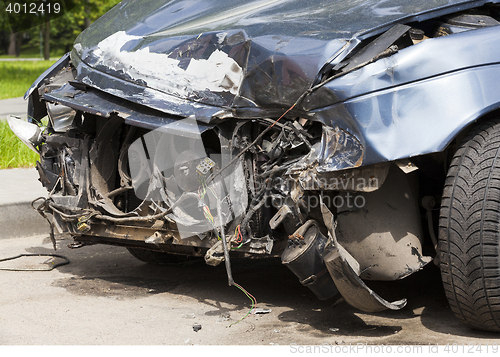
(469, 229)
(159, 258)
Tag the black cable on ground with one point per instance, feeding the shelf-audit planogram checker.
(66, 261)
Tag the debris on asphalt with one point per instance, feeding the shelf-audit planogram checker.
(224, 317)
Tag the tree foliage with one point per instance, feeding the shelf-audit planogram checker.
(59, 33)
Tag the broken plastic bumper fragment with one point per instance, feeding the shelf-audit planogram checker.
(344, 270)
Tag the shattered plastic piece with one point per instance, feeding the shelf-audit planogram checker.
(261, 311)
(344, 270)
(188, 316)
(406, 166)
(215, 255)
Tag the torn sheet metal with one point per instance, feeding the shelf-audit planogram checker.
(217, 73)
(51, 71)
(99, 103)
(345, 271)
(137, 93)
(242, 73)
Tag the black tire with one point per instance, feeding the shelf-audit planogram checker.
(469, 229)
(159, 258)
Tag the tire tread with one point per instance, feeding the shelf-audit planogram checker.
(469, 226)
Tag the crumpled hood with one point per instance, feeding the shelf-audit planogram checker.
(225, 53)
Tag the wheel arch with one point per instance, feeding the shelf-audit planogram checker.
(479, 118)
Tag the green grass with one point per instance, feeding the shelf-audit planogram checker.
(13, 152)
(17, 76)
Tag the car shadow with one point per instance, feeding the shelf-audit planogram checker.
(427, 301)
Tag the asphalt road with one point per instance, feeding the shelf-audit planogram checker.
(107, 297)
(13, 106)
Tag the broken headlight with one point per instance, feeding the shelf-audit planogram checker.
(30, 134)
(337, 150)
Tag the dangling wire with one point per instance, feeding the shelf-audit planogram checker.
(202, 190)
(252, 299)
(208, 215)
(212, 177)
(239, 237)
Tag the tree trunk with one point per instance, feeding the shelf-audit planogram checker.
(19, 40)
(86, 8)
(46, 38)
(12, 44)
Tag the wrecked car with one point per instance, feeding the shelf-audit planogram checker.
(356, 140)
